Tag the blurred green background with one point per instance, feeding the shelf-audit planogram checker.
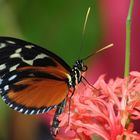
(55, 25)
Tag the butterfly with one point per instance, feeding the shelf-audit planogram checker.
(34, 80)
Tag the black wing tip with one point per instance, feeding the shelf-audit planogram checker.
(38, 48)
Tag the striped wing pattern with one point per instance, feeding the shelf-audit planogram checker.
(33, 80)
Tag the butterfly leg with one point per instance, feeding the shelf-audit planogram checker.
(89, 83)
(59, 110)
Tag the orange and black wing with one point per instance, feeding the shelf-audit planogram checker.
(33, 80)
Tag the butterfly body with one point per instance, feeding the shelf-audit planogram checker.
(34, 80)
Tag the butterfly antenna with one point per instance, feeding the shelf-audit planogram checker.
(84, 27)
(85, 23)
(102, 49)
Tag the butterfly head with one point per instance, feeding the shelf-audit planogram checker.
(76, 73)
(80, 65)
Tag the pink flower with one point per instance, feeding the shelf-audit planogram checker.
(107, 112)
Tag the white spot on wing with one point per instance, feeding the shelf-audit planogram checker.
(15, 55)
(13, 67)
(40, 56)
(2, 45)
(44, 110)
(11, 42)
(38, 111)
(11, 105)
(12, 77)
(30, 62)
(18, 50)
(29, 46)
(49, 109)
(21, 110)
(26, 111)
(32, 112)
(15, 108)
(2, 66)
(6, 87)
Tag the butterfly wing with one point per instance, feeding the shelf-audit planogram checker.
(15, 53)
(33, 79)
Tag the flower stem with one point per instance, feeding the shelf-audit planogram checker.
(128, 35)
